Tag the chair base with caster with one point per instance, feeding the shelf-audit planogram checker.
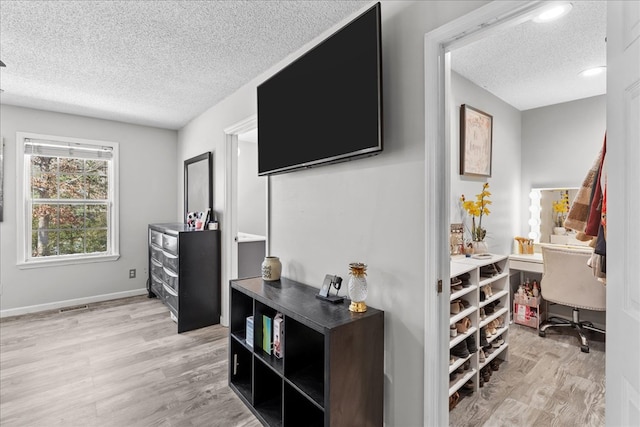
(575, 323)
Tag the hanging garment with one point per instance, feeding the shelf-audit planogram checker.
(595, 206)
(579, 210)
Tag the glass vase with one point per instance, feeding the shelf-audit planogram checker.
(357, 287)
(480, 247)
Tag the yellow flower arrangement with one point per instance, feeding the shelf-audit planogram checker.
(478, 208)
(561, 208)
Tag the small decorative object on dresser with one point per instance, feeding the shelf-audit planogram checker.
(358, 287)
(271, 269)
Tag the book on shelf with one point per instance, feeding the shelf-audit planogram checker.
(266, 334)
(249, 331)
(278, 336)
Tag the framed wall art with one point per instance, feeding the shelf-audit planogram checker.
(476, 134)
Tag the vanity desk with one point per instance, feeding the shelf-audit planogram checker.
(526, 262)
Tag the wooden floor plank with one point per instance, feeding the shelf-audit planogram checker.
(547, 382)
(118, 363)
(122, 363)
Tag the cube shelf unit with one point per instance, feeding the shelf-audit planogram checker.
(500, 289)
(332, 371)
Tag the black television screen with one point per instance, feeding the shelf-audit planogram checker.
(327, 105)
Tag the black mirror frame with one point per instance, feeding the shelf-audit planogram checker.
(208, 157)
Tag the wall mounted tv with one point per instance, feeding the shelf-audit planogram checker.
(326, 106)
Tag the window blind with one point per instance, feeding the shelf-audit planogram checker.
(40, 147)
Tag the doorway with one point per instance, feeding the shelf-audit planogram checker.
(439, 122)
(251, 215)
(244, 131)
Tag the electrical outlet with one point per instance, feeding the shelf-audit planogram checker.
(132, 273)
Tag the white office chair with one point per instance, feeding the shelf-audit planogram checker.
(568, 280)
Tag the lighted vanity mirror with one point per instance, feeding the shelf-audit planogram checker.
(548, 208)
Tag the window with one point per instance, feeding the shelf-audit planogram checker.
(69, 207)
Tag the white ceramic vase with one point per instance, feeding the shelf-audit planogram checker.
(271, 268)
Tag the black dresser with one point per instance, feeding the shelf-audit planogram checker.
(184, 272)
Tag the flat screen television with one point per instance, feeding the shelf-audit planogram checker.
(326, 106)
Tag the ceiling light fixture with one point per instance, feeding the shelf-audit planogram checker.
(594, 71)
(553, 12)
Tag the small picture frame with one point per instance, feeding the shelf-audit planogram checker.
(476, 137)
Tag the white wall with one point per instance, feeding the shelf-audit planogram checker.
(252, 191)
(559, 145)
(148, 185)
(369, 210)
(504, 183)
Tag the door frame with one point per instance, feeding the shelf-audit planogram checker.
(438, 44)
(229, 242)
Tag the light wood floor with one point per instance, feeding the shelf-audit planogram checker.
(546, 382)
(121, 363)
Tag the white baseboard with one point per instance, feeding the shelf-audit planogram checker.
(70, 303)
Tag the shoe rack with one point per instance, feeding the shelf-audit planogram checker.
(478, 322)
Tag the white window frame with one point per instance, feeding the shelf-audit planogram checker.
(23, 207)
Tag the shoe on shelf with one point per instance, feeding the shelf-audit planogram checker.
(452, 360)
(465, 303)
(456, 284)
(481, 356)
(499, 340)
(453, 400)
(456, 307)
(483, 337)
(483, 314)
(471, 343)
(460, 350)
(488, 329)
(453, 331)
(463, 325)
(494, 365)
(491, 328)
(466, 365)
(488, 309)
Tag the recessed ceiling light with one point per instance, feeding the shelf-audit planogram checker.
(594, 71)
(553, 12)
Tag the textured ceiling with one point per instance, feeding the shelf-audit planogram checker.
(533, 65)
(157, 63)
(162, 63)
